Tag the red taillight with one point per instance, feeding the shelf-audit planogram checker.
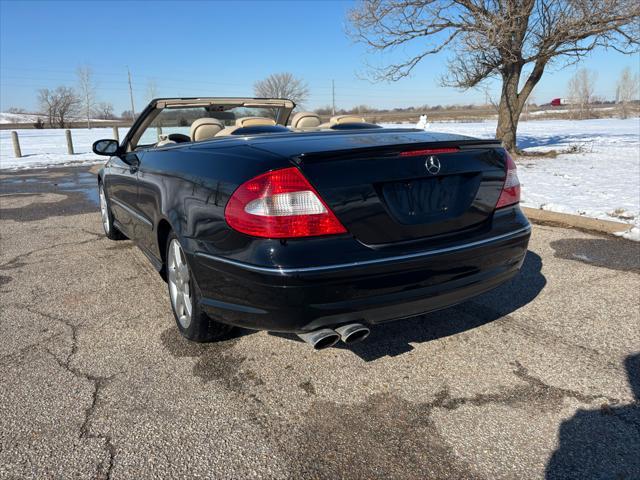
(280, 204)
(511, 189)
(429, 151)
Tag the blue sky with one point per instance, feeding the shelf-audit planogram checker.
(222, 48)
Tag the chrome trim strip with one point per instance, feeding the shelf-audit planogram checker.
(341, 266)
(132, 212)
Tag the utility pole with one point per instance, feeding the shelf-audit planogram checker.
(333, 96)
(88, 109)
(133, 109)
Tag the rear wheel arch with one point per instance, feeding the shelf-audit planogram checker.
(163, 230)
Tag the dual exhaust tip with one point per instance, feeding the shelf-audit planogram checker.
(326, 337)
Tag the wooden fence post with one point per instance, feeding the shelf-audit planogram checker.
(16, 145)
(116, 134)
(69, 142)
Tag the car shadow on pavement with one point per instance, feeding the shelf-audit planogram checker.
(601, 443)
(395, 338)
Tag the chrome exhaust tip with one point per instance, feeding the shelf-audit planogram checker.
(320, 339)
(353, 333)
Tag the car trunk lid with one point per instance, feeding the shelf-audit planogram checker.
(400, 186)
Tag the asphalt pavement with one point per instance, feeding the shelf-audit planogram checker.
(539, 378)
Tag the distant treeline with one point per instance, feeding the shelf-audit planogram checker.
(366, 109)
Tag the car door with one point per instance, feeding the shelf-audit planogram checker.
(122, 189)
(149, 202)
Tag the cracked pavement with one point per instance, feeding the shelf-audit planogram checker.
(537, 379)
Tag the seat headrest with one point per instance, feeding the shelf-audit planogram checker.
(205, 128)
(338, 119)
(305, 120)
(226, 131)
(253, 121)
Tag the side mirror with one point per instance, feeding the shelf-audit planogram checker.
(105, 147)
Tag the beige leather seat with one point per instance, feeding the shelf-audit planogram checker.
(205, 128)
(253, 121)
(247, 122)
(338, 119)
(305, 120)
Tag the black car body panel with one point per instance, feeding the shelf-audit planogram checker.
(402, 254)
(355, 283)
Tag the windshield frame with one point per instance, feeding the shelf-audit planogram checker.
(156, 106)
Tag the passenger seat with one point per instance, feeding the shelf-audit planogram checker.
(205, 129)
(253, 121)
(338, 119)
(303, 120)
(246, 122)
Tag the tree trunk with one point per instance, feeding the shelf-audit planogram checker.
(510, 108)
(88, 110)
(512, 102)
(507, 130)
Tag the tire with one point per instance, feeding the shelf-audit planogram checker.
(185, 296)
(110, 229)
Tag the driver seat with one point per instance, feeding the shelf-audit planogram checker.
(205, 128)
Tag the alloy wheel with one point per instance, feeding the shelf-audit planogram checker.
(104, 211)
(179, 283)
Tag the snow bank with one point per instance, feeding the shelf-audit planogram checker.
(46, 147)
(632, 234)
(6, 117)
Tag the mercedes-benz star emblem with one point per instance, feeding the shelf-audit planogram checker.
(433, 165)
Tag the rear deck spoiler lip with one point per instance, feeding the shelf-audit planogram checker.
(394, 150)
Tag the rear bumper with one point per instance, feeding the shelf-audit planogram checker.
(390, 287)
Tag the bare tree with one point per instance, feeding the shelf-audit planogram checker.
(104, 111)
(69, 105)
(580, 91)
(60, 105)
(326, 110)
(282, 85)
(87, 90)
(513, 40)
(626, 91)
(47, 104)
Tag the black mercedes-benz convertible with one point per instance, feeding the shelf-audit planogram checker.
(263, 221)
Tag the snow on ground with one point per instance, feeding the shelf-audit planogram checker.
(566, 111)
(45, 147)
(602, 180)
(6, 117)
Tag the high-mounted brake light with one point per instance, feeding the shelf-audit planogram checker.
(429, 151)
(280, 204)
(511, 189)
